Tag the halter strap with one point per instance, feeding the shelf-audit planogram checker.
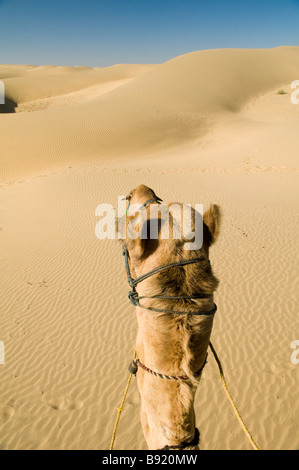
(134, 296)
(133, 368)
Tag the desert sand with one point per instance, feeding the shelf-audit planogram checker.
(205, 127)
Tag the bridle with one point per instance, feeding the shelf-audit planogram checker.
(134, 296)
(135, 300)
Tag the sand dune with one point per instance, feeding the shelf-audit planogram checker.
(207, 126)
(34, 83)
(169, 105)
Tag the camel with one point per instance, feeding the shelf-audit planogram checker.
(171, 348)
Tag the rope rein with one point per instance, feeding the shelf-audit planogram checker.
(223, 380)
(120, 409)
(239, 417)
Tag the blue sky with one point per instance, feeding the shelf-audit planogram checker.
(105, 32)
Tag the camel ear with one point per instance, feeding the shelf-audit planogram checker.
(212, 219)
